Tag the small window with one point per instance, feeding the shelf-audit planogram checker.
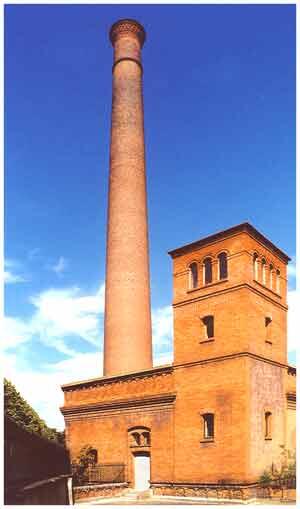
(263, 271)
(208, 322)
(193, 276)
(278, 281)
(207, 271)
(208, 425)
(268, 321)
(255, 266)
(271, 276)
(223, 266)
(268, 425)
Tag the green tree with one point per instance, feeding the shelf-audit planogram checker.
(83, 461)
(17, 409)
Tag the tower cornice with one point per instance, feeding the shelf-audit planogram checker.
(125, 27)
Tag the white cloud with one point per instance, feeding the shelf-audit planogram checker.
(42, 389)
(15, 331)
(291, 268)
(164, 358)
(162, 328)
(10, 278)
(61, 265)
(10, 274)
(59, 314)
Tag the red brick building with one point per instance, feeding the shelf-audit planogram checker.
(220, 412)
(215, 418)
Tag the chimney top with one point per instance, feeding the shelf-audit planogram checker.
(125, 26)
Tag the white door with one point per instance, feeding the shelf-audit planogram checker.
(141, 472)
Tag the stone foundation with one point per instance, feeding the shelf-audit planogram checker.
(99, 490)
(240, 493)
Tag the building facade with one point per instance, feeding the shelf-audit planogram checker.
(216, 417)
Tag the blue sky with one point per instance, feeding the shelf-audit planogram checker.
(219, 98)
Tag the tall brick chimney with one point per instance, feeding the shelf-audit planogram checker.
(127, 326)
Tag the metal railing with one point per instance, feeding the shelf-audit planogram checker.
(106, 473)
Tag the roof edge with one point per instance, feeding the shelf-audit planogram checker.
(242, 227)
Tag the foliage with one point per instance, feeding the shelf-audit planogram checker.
(283, 474)
(17, 409)
(84, 460)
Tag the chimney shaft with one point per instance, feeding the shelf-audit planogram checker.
(127, 328)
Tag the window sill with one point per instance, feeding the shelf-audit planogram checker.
(207, 440)
(268, 342)
(208, 340)
(208, 285)
(267, 288)
(268, 438)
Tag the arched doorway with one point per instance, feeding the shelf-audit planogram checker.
(141, 470)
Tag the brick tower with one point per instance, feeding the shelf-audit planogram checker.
(230, 296)
(230, 316)
(127, 329)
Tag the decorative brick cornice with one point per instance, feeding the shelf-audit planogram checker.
(125, 27)
(292, 371)
(160, 371)
(95, 409)
(224, 234)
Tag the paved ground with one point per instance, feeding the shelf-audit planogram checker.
(131, 500)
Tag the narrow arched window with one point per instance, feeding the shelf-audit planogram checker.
(263, 271)
(271, 276)
(223, 266)
(193, 276)
(255, 266)
(208, 323)
(278, 281)
(268, 425)
(268, 322)
(207, 271)
(208, 426)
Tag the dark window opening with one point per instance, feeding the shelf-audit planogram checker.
(208, 322)
(207, 265)
(223, 266)
(255, 266)
(208, 425)
(268, 424)
(193, 274)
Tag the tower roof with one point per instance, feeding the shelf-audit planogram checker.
(243, 227)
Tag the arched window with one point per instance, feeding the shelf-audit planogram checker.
(139, 437)
(255, 266)
(223, 266)
(135, 439)
(208, 322)
(263, 271)
(271, 276)
(268, 425)
(207, 271)
(208, 426)
(268, 323)
(278, 281)
(193, 276)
